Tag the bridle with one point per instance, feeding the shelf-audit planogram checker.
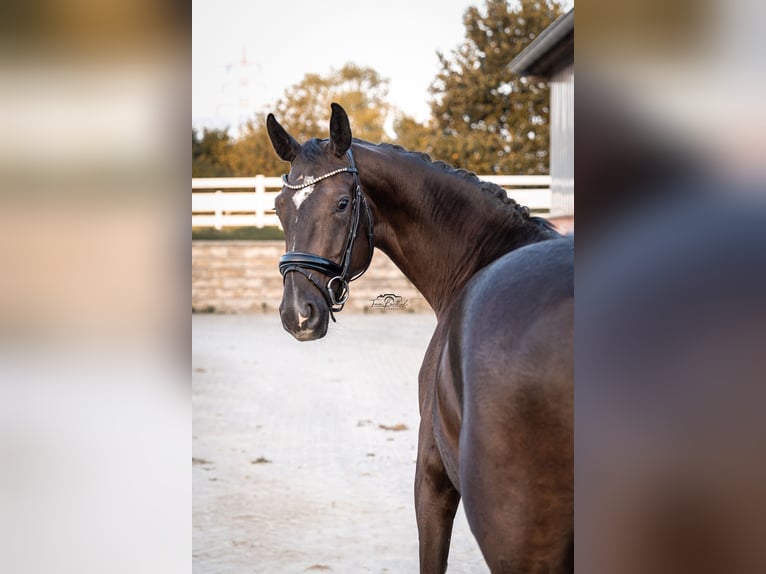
(336, 290)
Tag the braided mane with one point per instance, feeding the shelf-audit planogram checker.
(487, 187)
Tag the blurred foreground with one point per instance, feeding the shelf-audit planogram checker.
(671, 283)
(94, 328)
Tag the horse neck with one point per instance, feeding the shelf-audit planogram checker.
(436, 226)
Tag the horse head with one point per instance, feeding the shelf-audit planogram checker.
(327, 225)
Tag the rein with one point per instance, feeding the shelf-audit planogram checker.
(336, 290)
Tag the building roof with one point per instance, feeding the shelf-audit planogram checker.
(551, 50)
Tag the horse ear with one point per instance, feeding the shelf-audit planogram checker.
(340, 130)
(284, 144)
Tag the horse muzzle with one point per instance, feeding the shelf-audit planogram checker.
(304, 312)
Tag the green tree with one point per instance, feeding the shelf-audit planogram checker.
(305, 111)
(413, 135)
(252, 153)
(305, 107)
(485, 118)
(209, 149)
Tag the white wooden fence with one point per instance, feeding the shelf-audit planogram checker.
(252, 201)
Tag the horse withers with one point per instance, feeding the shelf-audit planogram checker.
(496, 384)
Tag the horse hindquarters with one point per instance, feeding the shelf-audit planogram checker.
(516, 469)
(516, 441)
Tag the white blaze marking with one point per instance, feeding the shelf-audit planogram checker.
(302, 194)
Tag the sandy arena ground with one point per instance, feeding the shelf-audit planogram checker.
(304, 453)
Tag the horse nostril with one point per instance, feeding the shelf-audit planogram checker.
(305, 320)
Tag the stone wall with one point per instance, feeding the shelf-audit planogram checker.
(243, 277)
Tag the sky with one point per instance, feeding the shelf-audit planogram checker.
(283, 41)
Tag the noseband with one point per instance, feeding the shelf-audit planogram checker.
(336, 290)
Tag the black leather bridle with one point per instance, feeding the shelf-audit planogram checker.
(336, 290)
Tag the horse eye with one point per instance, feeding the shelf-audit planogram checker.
(343, 204)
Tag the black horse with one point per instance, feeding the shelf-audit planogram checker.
(496, 384)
